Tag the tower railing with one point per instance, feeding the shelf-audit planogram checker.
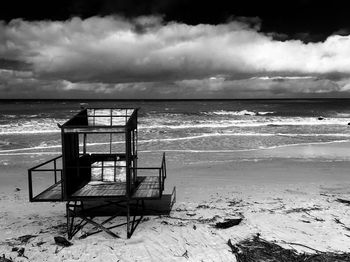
(51, 167)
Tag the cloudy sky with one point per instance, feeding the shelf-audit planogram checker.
(174, 49)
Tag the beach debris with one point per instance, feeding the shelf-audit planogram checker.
(234, 249)
(40, 243)
(228, 223)
(302, 245)
(343, 201)
(179, 209)
(61, 241)
(314, 217)
(234, 202)
(203, 206)
(17, 189)
(194, 227)
(25, 238)
(258, 249)
(20, 252)
(185, 255)
(199, 220)
(337, 220)
(318, 219)
(320, 118)
(4, 259)
(302, 209)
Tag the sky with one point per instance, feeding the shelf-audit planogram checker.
(167, 49)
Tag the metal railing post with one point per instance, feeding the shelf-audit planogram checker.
(30, 185)
(164, 162)
(160, 180)
(54, 167)
(41, 168)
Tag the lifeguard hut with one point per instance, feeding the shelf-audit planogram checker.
(99, 163)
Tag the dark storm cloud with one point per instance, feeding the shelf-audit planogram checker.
(306, 20)
(22, 85)
(14, 64)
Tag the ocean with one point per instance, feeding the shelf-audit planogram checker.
(189, 131)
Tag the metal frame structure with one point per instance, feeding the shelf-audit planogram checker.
(73, 171)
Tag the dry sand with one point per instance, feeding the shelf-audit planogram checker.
(289, 196)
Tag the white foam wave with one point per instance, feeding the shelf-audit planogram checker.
(233, 113)
(265, 113)
(265, 121)
(30, 126)
(46, 147)
(48, 125)
(106, 143)
(307, 143)
(243, 150)
(313, 135)
(244, 134)
(29, 153)
(9, 116)
(28, 132)
(30, 148)
(2, 153)
(238, 113)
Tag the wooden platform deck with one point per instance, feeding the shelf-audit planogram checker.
(112, 189)
(53, 193)
(148, 188)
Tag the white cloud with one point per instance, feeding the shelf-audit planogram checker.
(116, 53)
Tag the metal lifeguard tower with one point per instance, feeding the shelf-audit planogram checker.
(99, 164)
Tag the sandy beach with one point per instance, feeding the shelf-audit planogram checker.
(160, 131)
(282, 196)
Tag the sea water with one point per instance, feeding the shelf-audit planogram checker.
(185, 129)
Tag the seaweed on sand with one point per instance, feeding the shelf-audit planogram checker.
(258, 249)
(228, 223)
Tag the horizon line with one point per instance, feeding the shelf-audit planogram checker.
(163, 99)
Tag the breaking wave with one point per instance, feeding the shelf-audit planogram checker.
(49, 125)
(265, 121)
(238, 113)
